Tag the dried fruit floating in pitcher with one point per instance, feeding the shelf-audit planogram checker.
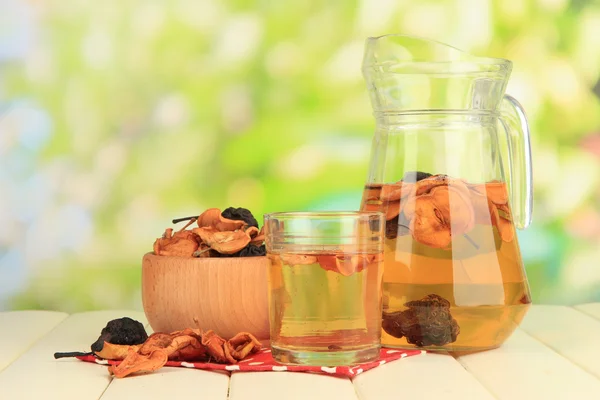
(444, 237)
(433, 208)
(426, 322)
(231, 233)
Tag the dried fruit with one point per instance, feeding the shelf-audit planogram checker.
(426, 322)
(227, 242)
(438, 215)
(253, 251)
(142, 353)
(231, 233)
(213, 218)
(186, 345)
(181, 244)
(240, 214)
(215, 346)
(115, 351)
(259, 238)
(239, 346)
(297, 259)
(114, 340)
(392, 324)
(393, 192)
(121, 331)
(425, 185)
(136, 362)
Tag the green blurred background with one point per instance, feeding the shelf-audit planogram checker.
(117, 116)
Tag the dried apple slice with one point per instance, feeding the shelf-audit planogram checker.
(504, 226)
(252, 231)
(424, 186)
(242, 344)
(227, 242)
(481, 207)
(181, 244)
(186, 346)
(259, 238)
(496, 192)
(391, 192)
(346, 264)
(298, 259)
(456, 208)
(115, 351)
(212, 218)
(428, 225)
(214, 346)
(135, 362)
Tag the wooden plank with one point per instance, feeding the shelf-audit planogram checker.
(567, 331)
(524, 368)
(591, 309)
(171, 383)
(289, 386)
(428, 376)
(19, 330)
(36, 374)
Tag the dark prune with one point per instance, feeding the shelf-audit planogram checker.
(391, 228)
(253, 251)
(238, 214)
(427, 322)
(415, 176)
(431, 301)
(391, 324)
(121, 331)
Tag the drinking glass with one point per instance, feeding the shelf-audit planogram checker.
(325, 278)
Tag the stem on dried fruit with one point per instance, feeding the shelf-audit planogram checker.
(198, 252)
(71, 354)
(188, 224)
(178, 220)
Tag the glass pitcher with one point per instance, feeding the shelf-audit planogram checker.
(451, 169)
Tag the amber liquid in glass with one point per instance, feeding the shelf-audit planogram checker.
(325, 307)
(463, 290)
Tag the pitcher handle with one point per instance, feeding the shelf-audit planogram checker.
(515, 124)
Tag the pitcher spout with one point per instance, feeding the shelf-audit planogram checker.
(407, 73)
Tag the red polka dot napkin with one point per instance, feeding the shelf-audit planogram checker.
(263, 361)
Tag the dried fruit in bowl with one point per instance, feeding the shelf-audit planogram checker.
(231, 233)
(213, 218)
(227, 242)
(240, 213)
(182, 243)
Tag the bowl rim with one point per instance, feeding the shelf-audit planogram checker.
(200, 259)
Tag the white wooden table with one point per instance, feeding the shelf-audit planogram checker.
(555, 355)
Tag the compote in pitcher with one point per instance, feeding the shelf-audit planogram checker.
(440, 171)
(451, 263)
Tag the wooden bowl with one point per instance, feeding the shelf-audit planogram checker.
(227, 295)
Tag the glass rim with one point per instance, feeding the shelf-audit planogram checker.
(324, 214)
(503, 64)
